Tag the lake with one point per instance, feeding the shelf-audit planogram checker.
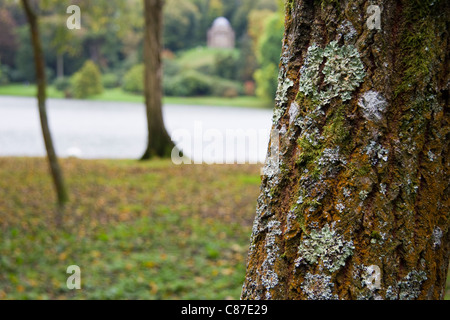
(117, 130)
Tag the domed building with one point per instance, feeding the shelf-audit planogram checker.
(221, 34)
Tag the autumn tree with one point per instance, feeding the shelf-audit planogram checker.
(354, 199)
(268, 54)
(159, 142)
(8, 39)
(39, 62)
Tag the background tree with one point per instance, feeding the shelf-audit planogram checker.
(8, 39)
(39, 61)
(88, 81)
(268, 50)
(354, 203)
(159, 141)
(63, 41)
(181, 19)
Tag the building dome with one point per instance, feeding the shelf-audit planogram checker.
(221, 22)
(221, 34)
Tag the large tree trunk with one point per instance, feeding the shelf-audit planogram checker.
(354, 202)
(159, 141)
(55, 169)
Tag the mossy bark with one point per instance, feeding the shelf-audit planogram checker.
(159, 142)
(356, 203)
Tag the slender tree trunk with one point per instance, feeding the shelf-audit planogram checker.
(354, 200)
(55, 169)
(159, 141)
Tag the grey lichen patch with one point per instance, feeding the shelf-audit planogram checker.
(272, 166)
(347, 31)
(363, 194)
(267, 275)
(373, 106)
(293, 112)
(325, 246)
(409, 287)
(436, 237)
(330, 157)
(391, 293)
(286, 55)
(343, 72)
(318, 287)
(290, 219)
(431, 156)
(284, 84)
(383, 189)
(377, 153)
(339, 207)
(346, 192)
(309, 79)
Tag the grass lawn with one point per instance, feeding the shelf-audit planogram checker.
(202, 56)
(137, 230)
(118, 94)
(23, 90)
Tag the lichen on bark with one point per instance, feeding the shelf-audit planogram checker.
(363, 159)
(325, 246)
(338, 69)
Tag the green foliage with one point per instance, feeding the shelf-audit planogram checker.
(3, 75)
(110, 81)
(24, 68)
(246, 62)
(185, 26)
(203, 71)
(8, 37)
(62, 84)
(133, 80)
(239, 18)
(24, 60)
(226, 88)
(266, 81)
(87, 81)
(118, 95)
(203, 58)
(192, 83)
(188, 83)
(180, 23)
(226, 66)
(171, 67)
(268, 55)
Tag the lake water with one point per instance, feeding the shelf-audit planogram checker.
(117, 130)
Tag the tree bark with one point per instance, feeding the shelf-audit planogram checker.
(159, 141)
(354, 199)
(39, 61)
